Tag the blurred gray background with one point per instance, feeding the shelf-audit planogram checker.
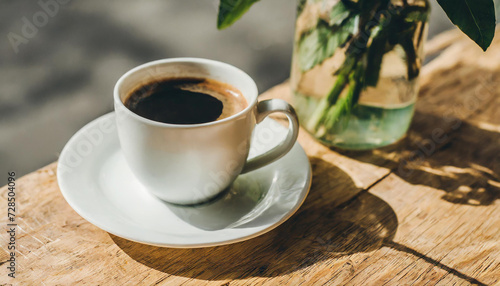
(62, 77)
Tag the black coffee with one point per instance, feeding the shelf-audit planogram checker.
(185, 100)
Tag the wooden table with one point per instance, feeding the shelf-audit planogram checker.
(424, 212)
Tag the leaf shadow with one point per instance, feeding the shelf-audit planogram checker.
(465, 166)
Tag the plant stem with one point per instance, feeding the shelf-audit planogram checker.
(327, 102)
(361, 67)
(345, 104)
(413, 65)
(330, 100)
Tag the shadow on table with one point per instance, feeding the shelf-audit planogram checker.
(317, 232)
(466, 166)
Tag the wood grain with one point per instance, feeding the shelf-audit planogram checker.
(426, 211)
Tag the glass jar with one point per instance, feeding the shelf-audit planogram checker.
(355, 69)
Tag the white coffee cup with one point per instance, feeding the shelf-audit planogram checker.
(191, 164)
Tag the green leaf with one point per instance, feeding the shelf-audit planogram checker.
(339, 13)
(300, 6)
(417, 16)
(321, 43)
(231, 10)
(476, 18)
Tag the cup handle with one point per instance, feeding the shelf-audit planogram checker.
(264, 109)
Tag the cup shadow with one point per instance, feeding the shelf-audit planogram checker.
(322, 229)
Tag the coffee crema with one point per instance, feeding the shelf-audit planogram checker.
(185, 100)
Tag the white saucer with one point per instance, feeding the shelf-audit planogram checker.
(97, 183)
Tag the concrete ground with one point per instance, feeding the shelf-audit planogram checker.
(63, 73)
